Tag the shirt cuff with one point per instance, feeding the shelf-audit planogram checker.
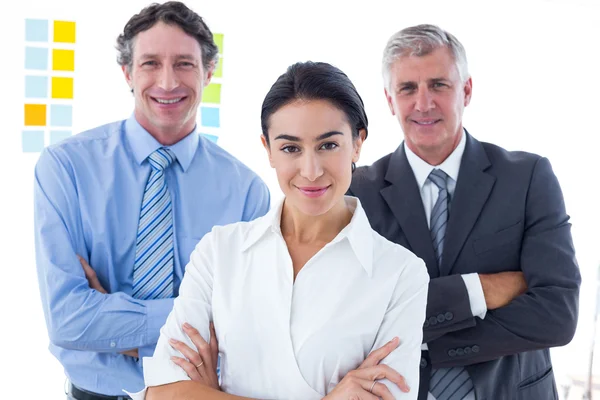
(141, 395)
(157, 312)
(476, 296)
(424, 346)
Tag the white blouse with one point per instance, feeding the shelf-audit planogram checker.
(280, 339)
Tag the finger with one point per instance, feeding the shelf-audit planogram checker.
(383, 371)
(381, 391)
(214, 345)
(188, 367)
(376, 356)
(90, 275)
(366, 394)
(201, 344)
(194, 358)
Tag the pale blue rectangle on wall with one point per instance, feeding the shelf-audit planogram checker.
(36, 58)
(61, 115)
(210, 116)
(59, 136)
(36, 87)
(36, 30)
(33, 141)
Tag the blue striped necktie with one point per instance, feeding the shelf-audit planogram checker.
(445, 383)
(153, 268)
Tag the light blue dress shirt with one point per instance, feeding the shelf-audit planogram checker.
(88, 191)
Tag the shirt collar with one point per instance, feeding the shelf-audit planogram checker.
(451, 165)
(143, 144)
(358, 231)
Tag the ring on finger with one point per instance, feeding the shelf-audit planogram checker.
(199, 365)
(372, 386)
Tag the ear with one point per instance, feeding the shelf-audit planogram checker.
(358, 142)
(127, 74)
(468, 91)
(268, 148)
(209, 74)
(390, 101)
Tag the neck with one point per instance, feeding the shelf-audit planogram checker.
(437, 155)
(168, 136)
(302, 228)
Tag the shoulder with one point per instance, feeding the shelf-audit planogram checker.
(392, 258)
(371, 175)
(224, 159)
(512, 160)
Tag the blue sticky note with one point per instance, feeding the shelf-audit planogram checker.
(36, 87)
(61, 115)
(212, 138)
(209, 116)
(36, 30)
(59, 136)
(33, 141)
(36, 58)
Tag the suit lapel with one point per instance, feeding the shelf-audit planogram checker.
(404, 199)
(473, 188)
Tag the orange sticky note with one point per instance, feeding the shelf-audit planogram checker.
(35, 115)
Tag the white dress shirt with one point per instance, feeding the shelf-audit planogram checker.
(285, 339)
(429, 194)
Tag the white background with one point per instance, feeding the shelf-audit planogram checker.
(536, 80)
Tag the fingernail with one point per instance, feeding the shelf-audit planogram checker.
(407, 389)
(173, 341)
(186, 325)
(173, 359)
(394, 340)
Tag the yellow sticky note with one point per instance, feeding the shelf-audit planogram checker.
(62, 88)
(63, 60)
(219, 70)
(212, 94)
(218, 38)
(64, 31)
(35, 115)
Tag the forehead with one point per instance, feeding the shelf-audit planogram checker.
(165, 40)
(437, 64)
(308, 119)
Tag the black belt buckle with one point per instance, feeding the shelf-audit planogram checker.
(80, 394)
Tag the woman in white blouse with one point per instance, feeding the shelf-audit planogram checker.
(300, 296)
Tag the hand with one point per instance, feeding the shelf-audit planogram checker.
(362, 383)
(91, 276)
(200, 366)
(94, 283)
(501, 288)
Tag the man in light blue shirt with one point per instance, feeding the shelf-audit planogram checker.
(133, 198)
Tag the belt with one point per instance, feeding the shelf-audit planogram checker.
(80, 394)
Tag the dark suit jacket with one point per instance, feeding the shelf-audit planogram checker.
(507, 214)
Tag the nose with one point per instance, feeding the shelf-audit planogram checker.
(311, 168)
(424, 100)
(168, 78)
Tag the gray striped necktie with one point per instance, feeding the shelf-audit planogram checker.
(446, 383)
(153, 268)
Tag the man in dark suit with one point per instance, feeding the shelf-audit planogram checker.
(490, 224)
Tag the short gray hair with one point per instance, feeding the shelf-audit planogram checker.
(420, 40)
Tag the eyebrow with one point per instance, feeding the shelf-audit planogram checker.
(297, 139)
(413, 83)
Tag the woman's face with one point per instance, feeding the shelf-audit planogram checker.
(312, 150)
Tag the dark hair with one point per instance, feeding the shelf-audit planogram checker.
(315, 81)
(171, 13)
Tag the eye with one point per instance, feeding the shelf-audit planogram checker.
(406, 90)
(290, 149)
(149, 63)
(185, 64)
(328, 146)
(439, 85)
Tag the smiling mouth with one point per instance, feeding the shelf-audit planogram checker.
(168, 101)
(426, 123)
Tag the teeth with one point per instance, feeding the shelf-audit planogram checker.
(426, 123)
(161, 101)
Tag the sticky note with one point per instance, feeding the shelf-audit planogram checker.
(35, 115)
(62, 88)
(218, 38)
(36, 30)
(209, 116)
(61, 115)
(219, 70)
(32, 141)
(36, 58)
(59, 136)
(212, 138)
(63, 60)
(36, 87)
(64, 32)
(212, 94)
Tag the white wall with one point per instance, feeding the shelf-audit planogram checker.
(535, 69)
